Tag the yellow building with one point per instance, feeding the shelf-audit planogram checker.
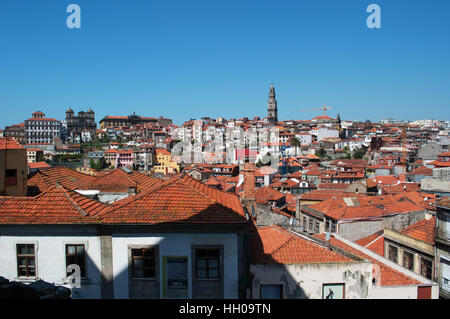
(13, 168)
(163, 162)
(87, 170)
(111, 157)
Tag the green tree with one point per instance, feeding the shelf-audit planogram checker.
(259, 163)
(358, 153)
(295, 142)
(321, 152)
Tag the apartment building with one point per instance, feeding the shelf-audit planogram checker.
(39, 129)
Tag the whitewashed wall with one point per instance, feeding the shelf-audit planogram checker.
(175, 245)
(305, 280)
(50, 257)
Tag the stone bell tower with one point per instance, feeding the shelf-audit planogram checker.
(272, 110)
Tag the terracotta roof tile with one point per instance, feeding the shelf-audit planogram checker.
(267, 193)
(388, 276)
(38, 165)
(363, 206)
(10, 144)
(120, 181)
(374, 242)
(423, 230)
(275, 245)
(180, 199)
(57, 205)
(69, 178)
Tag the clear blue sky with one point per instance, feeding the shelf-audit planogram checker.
(188, 59)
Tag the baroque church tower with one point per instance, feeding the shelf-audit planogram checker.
(272, 110)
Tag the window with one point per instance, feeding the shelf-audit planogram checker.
(333, 227)
(207, 263)
(333, 291)
(393, 252)
(304, 222)
(75, 255)
(317, 229)
(408, 260)
(143, 263)
(26, 261)
(310, 224)
(426, 268)
(271, 291)
(11, 177)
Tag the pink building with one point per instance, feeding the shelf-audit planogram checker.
(125, 158)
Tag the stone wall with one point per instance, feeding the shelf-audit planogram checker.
(359, 229)
(266, 217)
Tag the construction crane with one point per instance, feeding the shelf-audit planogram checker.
(324, 109)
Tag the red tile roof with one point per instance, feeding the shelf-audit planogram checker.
(439, 164)
(10, 144)
(423, 230)
(360, 207)
(445, 154)
(289, 183)
(275, 245)
(38, 165)
(297, 174)
(399, 188)
(58, 205)
(69, 178)
(163, 151)
(266, 193)
(422, 170)
(443, 202)
(313, 172)
(386, 180)
(120, 181)
(322, 194)
(338, 186)
(388, 275)
(180, 199)
(374, 242)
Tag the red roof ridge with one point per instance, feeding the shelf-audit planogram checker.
(283, 244)
(77, 207)
(185, 177)
(127, 200)
(68, 193)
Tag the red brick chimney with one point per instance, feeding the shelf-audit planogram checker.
(249, 181)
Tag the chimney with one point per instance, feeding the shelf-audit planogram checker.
(249, 181)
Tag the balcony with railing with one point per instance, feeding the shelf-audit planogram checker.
(445, 287)
(442, 234)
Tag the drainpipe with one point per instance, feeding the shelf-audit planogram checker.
(4, 177)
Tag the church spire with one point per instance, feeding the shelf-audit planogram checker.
(272, 110)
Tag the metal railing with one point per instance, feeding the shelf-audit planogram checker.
(445, 288)
(442, 234)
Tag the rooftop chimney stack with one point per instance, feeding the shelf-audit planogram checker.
(249, 181)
